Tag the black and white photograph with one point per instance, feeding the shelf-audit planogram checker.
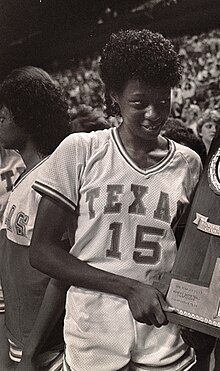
(109, 185)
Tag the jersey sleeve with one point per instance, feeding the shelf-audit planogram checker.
(195, 170)
(60, 176)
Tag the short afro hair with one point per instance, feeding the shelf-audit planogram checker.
(209, 115)
(141, 55)
(37, 107)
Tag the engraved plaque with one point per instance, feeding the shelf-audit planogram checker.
(194, 290)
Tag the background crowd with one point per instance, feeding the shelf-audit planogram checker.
(197, 91)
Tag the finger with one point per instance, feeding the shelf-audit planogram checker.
(156, 320)
(149, 321)
(166, 307)
(159, 314)
(169, 309)
(161, 320)
(152, 321)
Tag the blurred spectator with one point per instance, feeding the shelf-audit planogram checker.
(88, 119)
(207, 127)
(190, 115)
(176, 130)
(82, 84)
(176, 102)
(188, 89)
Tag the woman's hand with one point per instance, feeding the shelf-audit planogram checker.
(147, 305)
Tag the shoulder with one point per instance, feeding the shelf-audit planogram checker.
(75, 152)
(84, 142)
(187, 154)
(191, 161)
(90, 138)
(9, 156)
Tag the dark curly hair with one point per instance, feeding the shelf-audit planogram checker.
(88, 119)
(37, 107)
(142, 55)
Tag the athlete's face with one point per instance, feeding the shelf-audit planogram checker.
(144, 108)
(208, 131)
(11, 136)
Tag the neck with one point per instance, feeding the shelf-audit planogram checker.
(140, 144)
(207, 145)
(30, 156)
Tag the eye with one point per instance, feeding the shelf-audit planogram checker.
(137, 104)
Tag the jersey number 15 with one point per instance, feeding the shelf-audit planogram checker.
(152, 249)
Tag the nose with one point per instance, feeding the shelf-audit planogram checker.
(150, 112)
(213, 129)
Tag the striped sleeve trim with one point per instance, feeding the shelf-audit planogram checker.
(66, 367)
(2, 304)
(15, 353)
(53, 360)
(57, 364)
(53, 193)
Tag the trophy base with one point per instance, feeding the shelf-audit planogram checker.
(194, 324)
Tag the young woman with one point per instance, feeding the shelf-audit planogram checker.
(34, 120)
(207, 127)
(121, 191)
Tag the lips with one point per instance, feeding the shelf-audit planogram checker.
(151, 124)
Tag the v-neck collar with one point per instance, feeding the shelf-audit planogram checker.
(152, 169)
(21, 178)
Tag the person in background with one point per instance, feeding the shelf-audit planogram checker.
(11, 166)
(34, 120)
(176, 130)
(88, 119)
(207, 127)
(176, 102)
(190, 114)
(188, 89)
(121, 191)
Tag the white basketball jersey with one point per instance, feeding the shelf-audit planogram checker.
(11, 166)
(126, 214)
(21, 209)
